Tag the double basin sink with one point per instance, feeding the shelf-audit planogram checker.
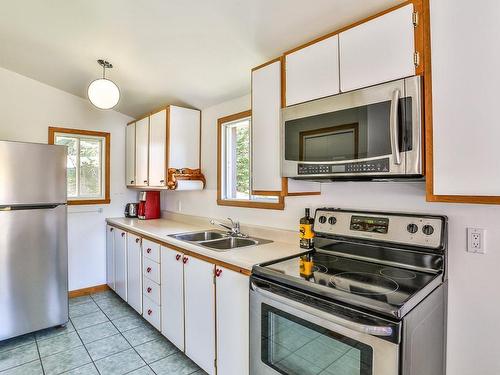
(218, 240)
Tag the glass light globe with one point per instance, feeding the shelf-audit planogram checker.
(103, 93)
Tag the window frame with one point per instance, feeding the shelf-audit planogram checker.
(279, 205)
(107, 162)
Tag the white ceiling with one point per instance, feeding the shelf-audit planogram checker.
(187, 52)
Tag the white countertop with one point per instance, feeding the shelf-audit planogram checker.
(244, 257)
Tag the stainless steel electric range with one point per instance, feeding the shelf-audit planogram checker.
(374, 303)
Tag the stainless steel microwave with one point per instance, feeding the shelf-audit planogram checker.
(375, 132)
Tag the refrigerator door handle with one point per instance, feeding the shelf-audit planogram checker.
(30, 207)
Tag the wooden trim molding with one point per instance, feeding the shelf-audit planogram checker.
(280, 205)
(87, 291)
(107, 161)
(184, 174)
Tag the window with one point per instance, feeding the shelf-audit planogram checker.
(87, 164)
(234, 178)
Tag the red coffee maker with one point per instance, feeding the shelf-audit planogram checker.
(149, 205)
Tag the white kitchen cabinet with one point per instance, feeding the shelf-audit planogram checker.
(199, 298)
(266, 107)
(312, 72)
(172, 296)
(120, 242)
(232, 306)
(152, 313)
(130, 155)
(158, 148)
(184, 138)
(379, 50)
(110, 256)
(134, 272)
(142, 152)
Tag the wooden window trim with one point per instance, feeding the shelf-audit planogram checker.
(280, 205)
(107, 162)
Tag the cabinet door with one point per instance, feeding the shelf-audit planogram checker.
(199, 296)
(110, 257)
(232, 306)
(184, 138)
(157, 148)
(130, 155)
(134, 272)
(172, 296)
(313, 72)
(266, 106)
(141, 151)
(378, 51)
(120, 240)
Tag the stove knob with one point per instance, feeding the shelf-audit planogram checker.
(332, 220)
(428, 229)
(412, 228)
(322, 219)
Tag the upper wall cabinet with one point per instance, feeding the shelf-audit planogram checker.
(312, 72)
(380, 50)
(163, 150)
(266, 106)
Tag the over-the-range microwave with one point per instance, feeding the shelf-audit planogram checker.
(370, 133)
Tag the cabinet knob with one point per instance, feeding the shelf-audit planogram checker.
(145, 181)
(162, 181)
(149, 289)
(184, 260)
(123, 234)
(111, 229)
(148, 270)
(137, 240)
(131, 181)
(218, 272)
(148, 250)
(178, 256)
(150, 312)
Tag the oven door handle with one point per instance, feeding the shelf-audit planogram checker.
(383, 331)
(394, 121)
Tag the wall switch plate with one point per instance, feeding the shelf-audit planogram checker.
(475, 240)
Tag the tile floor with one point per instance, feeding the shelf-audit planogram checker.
(104, 336)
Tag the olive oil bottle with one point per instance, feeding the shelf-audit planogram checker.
(306, 231)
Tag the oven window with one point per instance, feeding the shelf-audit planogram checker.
(293, 346)
(350, 134)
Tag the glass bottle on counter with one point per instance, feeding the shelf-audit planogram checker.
(306, 231)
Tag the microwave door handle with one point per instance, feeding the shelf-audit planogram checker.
(344, 322)
(394, 128)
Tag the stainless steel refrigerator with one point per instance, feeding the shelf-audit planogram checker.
(33, 238)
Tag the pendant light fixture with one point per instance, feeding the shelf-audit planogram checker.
(102, 92)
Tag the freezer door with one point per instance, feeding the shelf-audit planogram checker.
(32, 173)
(33, 270)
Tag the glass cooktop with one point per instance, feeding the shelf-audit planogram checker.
(380, 287)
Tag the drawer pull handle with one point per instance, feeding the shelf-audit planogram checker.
(218, 272)
(123, 234)
(184, 260)
(111, 229)
(178, 256)
(150, 312)
(148, 270)
(131, 181)
(137, 240)
(148, 250)
(149, 289)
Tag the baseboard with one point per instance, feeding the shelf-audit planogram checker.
(89, 290)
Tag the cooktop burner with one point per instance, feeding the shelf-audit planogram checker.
(397, 273)
(363, 283)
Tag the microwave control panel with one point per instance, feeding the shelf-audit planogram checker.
(371, 166)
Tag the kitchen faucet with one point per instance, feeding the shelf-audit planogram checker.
(234, 229)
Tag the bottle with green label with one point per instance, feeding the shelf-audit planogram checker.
(306, 231)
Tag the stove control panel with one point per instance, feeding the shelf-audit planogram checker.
(407, 229)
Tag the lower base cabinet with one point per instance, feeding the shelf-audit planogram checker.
(120, 266)
(199, 312)
(110, 257)
(134, 272)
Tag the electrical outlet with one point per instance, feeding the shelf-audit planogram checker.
(475, 240)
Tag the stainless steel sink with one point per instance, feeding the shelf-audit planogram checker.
(199, 236)
(218, 240)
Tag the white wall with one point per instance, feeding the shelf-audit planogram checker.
(474, 303)
(27, 109)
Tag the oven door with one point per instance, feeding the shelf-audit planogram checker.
(370, 132)
(289, 337)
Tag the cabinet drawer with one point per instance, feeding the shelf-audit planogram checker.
(151, 312)
(151, 270)
(151, 290)
(151, 250)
